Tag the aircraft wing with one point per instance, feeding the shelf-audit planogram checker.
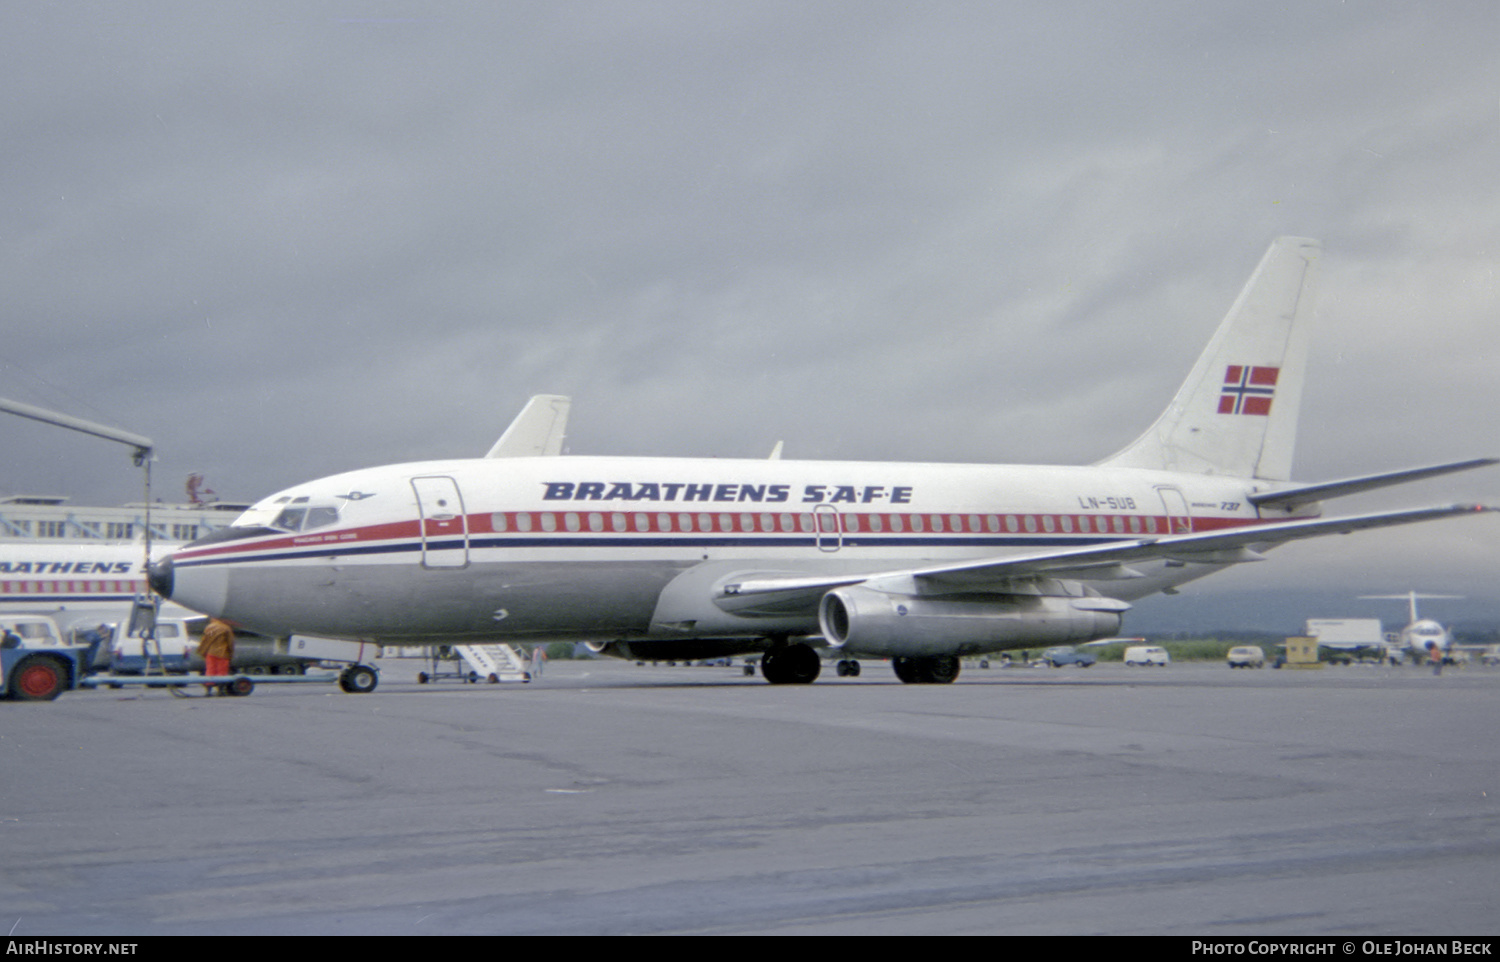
(1100, 562)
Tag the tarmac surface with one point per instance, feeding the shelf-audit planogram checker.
(610, 798)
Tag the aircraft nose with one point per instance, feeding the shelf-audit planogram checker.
(161, 577)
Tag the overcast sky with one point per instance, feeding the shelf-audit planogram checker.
(290, 239)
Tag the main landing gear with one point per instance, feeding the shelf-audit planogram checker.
(799, 664)
(786, 664)
(937, 670)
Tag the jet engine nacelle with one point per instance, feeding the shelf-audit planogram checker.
(880, 623)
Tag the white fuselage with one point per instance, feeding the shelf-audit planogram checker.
(609, 549)
(1417, 636)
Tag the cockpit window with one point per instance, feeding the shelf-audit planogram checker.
(290, 519)
(289, 514)
(320, 515)
(305, 517)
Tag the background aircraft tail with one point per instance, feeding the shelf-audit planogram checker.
(1236, 414)
(1411, 598)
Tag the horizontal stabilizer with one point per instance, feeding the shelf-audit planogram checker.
(1419, 596)
(538, 431)
(1411, 598)
(1308, 493)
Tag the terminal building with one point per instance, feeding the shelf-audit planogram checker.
(50, 519)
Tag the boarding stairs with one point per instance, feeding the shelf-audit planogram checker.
(494, 663)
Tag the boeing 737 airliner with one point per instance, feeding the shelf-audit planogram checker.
(692, 558)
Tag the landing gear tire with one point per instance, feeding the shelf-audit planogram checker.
(943, 669)
(358, 680)
(791, 665)
(847, 668)
(38, 678)
(938, 670)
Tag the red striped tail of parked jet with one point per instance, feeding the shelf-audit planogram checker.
(692, 558)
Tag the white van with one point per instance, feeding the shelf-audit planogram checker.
(177, 644)
(1246, 656)
(30, 631)
(1147, 655)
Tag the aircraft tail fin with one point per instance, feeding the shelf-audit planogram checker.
(1236, 414)
(1411, 598)
(538, 431)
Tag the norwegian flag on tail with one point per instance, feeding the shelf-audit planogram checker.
(1248, 390)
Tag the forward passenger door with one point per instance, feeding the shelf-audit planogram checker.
(444, 524)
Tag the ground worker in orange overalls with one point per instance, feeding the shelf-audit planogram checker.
(217, 648)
